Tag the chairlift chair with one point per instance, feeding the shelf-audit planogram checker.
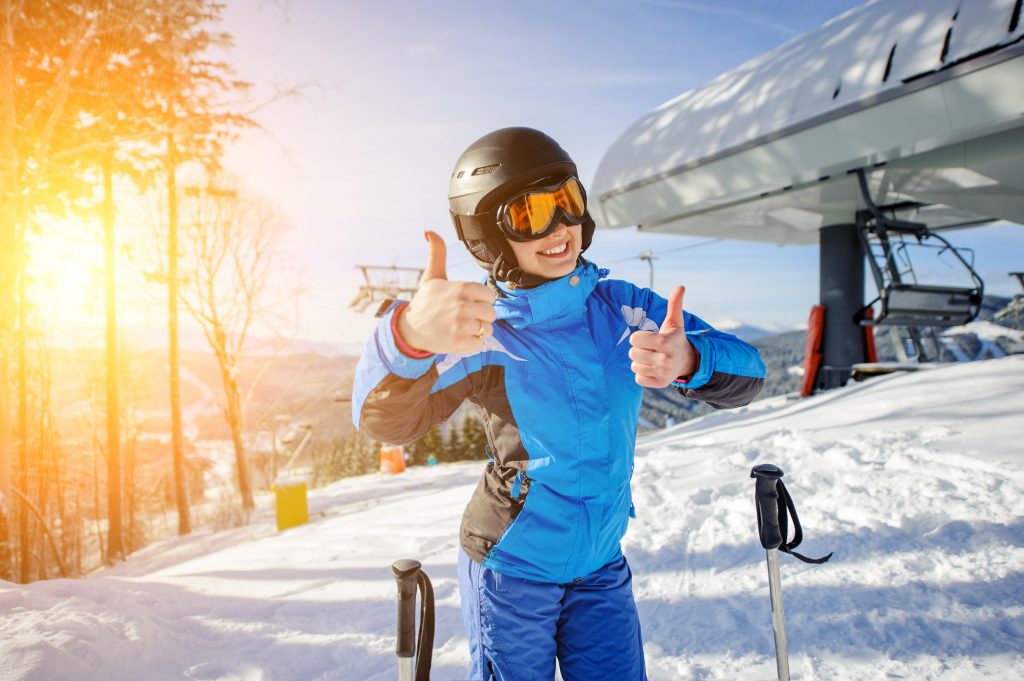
(904, 301)
(385, 283)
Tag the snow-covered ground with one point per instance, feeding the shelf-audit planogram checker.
(915, 481)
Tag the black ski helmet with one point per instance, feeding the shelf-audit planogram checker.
(489, 171)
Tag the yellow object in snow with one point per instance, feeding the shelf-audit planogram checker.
(290, 503)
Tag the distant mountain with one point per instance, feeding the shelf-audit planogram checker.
(747, 332)
(783, 355)
(308, 388)
(193, 340)
(1004, 311)
(993, 305)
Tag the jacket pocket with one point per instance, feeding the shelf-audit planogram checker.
(517, 494)
(495, 506)
(629, 490)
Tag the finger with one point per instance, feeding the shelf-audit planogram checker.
(473, 328)
(649, 382)
(648, 357)
(476, 292)
(674, 316)
(480, 311)
(645, 370)
(647, 340)
(470, 345)
(436, 254)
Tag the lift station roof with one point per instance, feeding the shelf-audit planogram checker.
(926, 95)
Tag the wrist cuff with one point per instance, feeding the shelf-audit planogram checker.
(403, 347)
(682, 381)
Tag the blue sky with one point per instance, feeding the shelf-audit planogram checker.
(395, 90)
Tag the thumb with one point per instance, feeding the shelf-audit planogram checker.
(674, 315)
(436, 253)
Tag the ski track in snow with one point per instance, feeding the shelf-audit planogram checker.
(914, 481)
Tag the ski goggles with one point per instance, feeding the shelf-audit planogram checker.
(535, 211)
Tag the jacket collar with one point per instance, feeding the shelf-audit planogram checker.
(564, 297)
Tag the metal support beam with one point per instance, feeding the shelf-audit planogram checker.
(841, 286)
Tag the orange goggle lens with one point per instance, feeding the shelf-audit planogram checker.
(531, 213)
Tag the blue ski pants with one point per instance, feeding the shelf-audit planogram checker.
(517, 627)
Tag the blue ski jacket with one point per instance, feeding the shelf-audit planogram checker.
(560, 407)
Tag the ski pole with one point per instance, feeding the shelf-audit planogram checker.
(413, 660)
(775, 509)
(767, 496)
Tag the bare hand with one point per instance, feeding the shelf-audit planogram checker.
(447, 316)
(659, 358)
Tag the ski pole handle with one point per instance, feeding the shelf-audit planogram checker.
(406, 573)
(766, 495)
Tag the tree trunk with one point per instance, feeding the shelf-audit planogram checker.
(25, 561)
(45, 455)
(115, 547)
(46, 530)
(96, 497)
(177, 444)
(6, 440)
(8, 246)
(6, 430)
(42, 495)
(67, 526)
(130, 496)
(233, 412)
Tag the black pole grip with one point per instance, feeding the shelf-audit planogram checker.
(406, 573)
(766, 495)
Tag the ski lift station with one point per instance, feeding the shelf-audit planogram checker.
(872, 135)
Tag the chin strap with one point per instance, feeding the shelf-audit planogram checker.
(515, 278)
(507, 270)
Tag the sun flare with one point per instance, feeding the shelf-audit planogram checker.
(65, 267)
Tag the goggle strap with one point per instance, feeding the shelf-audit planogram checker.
(475, 226)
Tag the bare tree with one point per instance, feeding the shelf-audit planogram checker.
(189, 105)
(229, 251)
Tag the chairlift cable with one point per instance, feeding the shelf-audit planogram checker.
(669, 250)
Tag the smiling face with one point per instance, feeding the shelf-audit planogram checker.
(553, 256)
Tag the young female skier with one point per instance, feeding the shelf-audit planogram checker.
(556, 357)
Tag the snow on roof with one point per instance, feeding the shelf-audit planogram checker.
(857, 55)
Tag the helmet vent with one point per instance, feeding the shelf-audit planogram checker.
(484, 170)
(461, 173)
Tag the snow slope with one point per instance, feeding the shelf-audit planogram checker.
(915, 481)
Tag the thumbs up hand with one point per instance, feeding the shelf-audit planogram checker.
(447, 316)
(659, 358)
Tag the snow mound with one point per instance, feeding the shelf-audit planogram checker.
(986, 330)
(915, 481)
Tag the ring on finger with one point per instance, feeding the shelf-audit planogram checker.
(483, 329)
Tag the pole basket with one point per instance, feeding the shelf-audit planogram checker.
(383, 283)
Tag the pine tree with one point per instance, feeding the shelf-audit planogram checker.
(453, 444)
(417, 452)
(433, 444)
(474, 439)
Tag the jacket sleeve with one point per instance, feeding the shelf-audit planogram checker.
(397, 398)
(731, 372)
